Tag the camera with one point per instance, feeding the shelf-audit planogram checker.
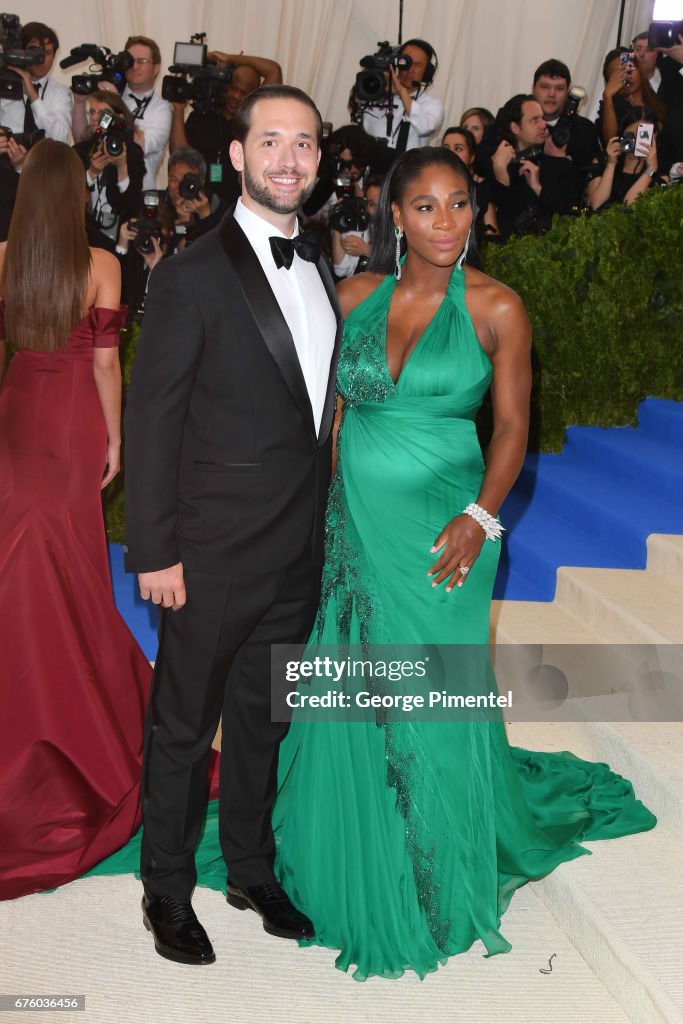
(190, 186)
(627, 142)
(112, 68)
(349, 213)
(532, 153)
(664, 33)
(148, 224)
(561, 132)
(13, 55)
(371, 84)
(193, 80)
(111, 134)
(25, 139)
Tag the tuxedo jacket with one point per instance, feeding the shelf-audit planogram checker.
(223, 467)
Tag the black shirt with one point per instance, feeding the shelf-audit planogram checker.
(211, 135)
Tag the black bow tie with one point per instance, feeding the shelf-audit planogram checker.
(283, 249)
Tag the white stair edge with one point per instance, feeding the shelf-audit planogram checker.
(622, 972)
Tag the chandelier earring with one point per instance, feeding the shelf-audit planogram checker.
(463, 255)
(399, 235)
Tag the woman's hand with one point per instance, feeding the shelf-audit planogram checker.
(113, 464)
(460, 543)
(615, 82)
(613, 150)
(651, 155)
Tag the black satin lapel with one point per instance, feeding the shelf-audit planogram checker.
(327, 418)
(266, 312)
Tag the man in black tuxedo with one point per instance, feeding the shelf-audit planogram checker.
(228, 433)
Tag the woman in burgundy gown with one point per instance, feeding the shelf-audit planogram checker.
(74, 682)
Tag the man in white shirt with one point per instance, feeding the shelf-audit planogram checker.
(153, 115)
(417, 115)
(228, 454)
(46, 104)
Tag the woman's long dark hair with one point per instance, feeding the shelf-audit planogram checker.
(47, 260)
(404, 170)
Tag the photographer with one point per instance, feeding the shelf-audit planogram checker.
(197, 210)
(624, 176)
(114, 163)
(152, 113)
(662, 68)
(626, 87)
(46, 104)
(211, 133)
(530, 183)
(140, 250)
(569, 134)
(352, 249)
(416, 114)
(347, 154)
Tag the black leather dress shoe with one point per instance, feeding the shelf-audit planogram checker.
(178, 935)
(271, 901)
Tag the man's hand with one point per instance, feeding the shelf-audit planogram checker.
(501, 162)
(550, 149)
(127, 233)
(98, 161)
(201, 206)
(676, 52)
(166, 587)
(531, 173)
(29, 86)
(400, 90)
(16, 153)
(355, 246)
(155, 256)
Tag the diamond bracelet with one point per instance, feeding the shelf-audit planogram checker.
(488, 523)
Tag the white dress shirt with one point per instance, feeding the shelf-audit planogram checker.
(51, 111)
(425, 118)
(154, 119)
(301, 296)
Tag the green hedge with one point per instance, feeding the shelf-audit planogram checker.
(605, 299)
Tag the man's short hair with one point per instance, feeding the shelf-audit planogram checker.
(37, 30)
(242, 119)
(511, 111)
(641, 35)
(145, 41)
(192, 157)
(553, 69)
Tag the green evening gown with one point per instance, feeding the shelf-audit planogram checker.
(405, 841)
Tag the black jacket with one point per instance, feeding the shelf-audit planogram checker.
(224, 471)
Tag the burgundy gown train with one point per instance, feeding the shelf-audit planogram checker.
(74, 682)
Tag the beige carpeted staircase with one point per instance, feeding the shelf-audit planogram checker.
(611, 924)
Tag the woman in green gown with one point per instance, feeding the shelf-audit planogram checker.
(404, 841)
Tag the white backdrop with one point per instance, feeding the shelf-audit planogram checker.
(487, 49)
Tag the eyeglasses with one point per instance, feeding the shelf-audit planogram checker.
(142, 60)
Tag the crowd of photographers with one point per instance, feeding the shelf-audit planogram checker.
(537, 157)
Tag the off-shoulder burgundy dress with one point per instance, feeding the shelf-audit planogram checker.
(73, 681)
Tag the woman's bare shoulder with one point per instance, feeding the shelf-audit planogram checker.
(103, 260)
(496, 297)
(354, 290)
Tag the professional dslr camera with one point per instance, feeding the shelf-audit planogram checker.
(532, 153)
(111, 134)
(199, 83)
(370, 89)
(627, 142)
(664, 33)
(349, 213)
(190, 186)
(561, 132)
(148, 223)
(112, 68)
(25, 139)
(13, 56)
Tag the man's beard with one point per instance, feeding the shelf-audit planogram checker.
(260, 194)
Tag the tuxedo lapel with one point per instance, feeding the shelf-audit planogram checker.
(266, 312)
(331, 395)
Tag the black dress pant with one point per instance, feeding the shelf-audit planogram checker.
(215, 657)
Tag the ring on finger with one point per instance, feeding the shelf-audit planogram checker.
(464, 569)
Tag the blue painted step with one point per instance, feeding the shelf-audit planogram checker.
(644, 461)
(660, 418)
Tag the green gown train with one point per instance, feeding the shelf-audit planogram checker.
(404, 841)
